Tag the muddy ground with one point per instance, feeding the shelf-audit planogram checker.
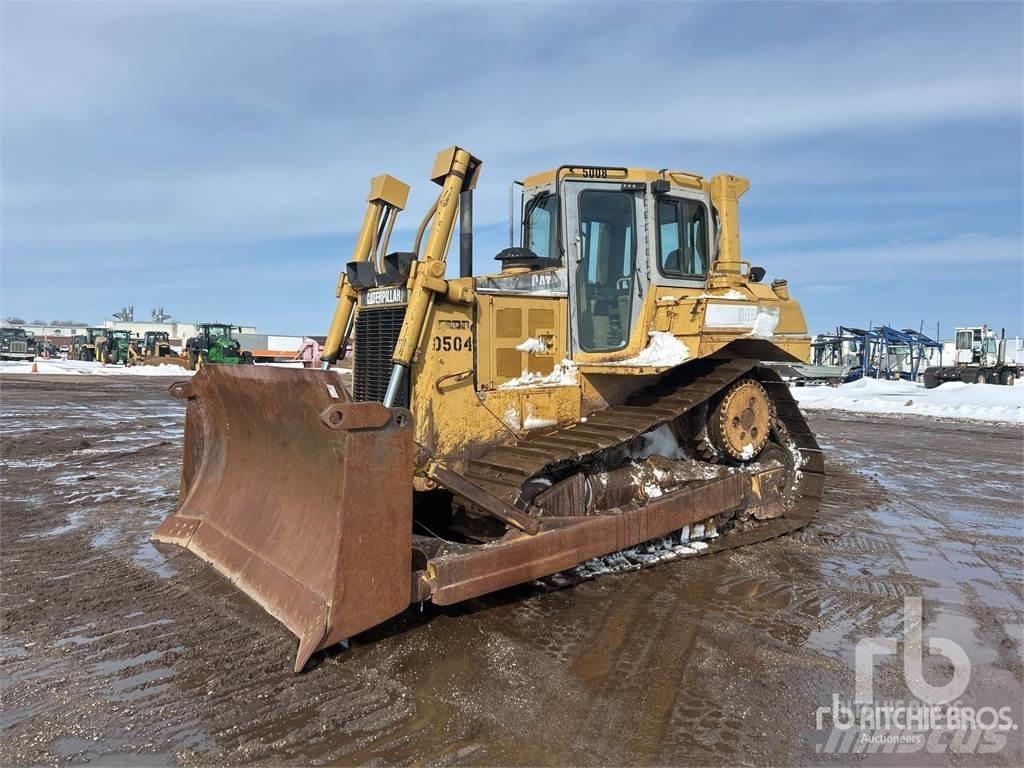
(119, 654)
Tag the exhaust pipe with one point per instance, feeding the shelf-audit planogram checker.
(466, 233)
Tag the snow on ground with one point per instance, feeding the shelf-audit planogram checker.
(953, 400)
(78, 367)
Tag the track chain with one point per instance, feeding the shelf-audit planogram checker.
(505, 470)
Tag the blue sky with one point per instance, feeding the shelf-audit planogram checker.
(213, 158)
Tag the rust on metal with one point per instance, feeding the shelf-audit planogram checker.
(518, 558)
(491, 504)
(322, 537)
(310, 517)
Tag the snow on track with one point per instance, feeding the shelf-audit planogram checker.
(78, 368)
(953, 400)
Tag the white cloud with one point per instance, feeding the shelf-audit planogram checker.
(143, 128)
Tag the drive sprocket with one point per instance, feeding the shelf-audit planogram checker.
(740, 424)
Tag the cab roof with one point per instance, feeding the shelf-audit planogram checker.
(686, 179)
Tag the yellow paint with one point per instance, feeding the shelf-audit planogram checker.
(387, 196)
(461, 345)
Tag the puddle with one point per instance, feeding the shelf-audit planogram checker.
(12, 652)
(111, 667)
(28, 463)
(87, 639)
(141, 678)
(104, 752)
(150, 558)
(74, 521)
(105, 538)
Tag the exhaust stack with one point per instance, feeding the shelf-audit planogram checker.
(466, 233)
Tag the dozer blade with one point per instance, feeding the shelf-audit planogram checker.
(299, 496)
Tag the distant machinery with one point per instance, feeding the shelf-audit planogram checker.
(159, 316)
(880, 352)
(126, 315)
(980, 358)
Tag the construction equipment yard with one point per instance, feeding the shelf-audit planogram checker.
(121, 653)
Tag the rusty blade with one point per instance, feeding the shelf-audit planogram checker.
(299, 496)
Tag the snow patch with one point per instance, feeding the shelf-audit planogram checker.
(563, 375)
(953, 400)
(511, 418)
(730, 295)
(536, 422)
(663, 351)
(765, 322)
(80, 367)
(661, 441)
(652, 491)
(533, 346)
(747, 452)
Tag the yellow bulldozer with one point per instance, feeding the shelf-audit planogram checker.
(599, 404)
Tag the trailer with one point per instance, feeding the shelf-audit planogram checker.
(980, 359)
(879, 352)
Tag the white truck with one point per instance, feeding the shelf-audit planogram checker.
(980, 359)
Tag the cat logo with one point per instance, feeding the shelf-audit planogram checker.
(377, 297)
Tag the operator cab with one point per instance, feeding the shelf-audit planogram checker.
(612, 233)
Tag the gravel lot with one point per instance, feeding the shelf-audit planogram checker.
(117, 653)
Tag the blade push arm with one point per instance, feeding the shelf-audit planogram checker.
(455, 170)
(387, 197)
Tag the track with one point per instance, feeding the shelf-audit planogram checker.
(508, 471)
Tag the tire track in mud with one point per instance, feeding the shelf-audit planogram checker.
(112, 648)
(115, 650)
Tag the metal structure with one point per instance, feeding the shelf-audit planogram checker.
(879, 352)
(600, 400)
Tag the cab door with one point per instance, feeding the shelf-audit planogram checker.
(605, 243)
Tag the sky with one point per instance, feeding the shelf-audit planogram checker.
(213, 158)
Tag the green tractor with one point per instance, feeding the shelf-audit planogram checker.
(114, 346)
(215, 344)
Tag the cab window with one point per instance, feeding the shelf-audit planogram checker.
(605, 277)
(682, 238)
(541, 220)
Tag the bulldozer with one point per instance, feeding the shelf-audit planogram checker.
(599, 404)
(155, 349)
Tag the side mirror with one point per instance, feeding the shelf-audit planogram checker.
(757, 274)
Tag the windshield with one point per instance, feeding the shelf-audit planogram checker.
(220, 330)
(541, 222)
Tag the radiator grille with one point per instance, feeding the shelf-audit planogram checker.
(376, 334)
(19, 347)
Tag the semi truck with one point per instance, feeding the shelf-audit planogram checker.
(16, 344)
(980, 358)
